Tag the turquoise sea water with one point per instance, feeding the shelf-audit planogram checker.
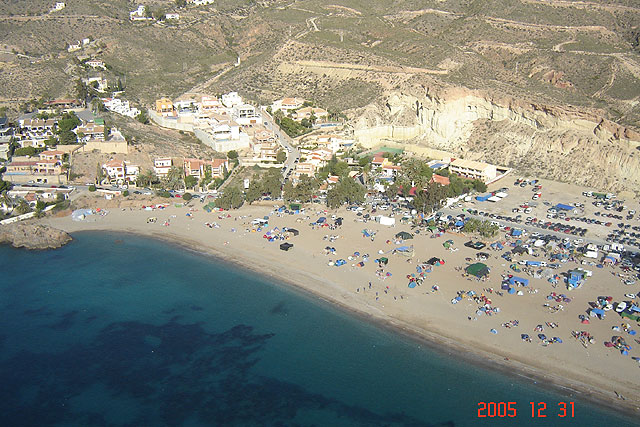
(116, 329)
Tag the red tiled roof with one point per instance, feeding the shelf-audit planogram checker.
(442, 180)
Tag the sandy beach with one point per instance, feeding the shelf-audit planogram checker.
(593, 372)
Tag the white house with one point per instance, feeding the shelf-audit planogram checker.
(119, 171)
(174, 16)
(74, 47)
(245, 114)
(231, 99)
(200, 2)
(59, 6)
(287, 105)
(96, 63)
(139, 14)
(120, 106)
(228, 130)
(162, 166)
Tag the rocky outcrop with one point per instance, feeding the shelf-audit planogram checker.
(555, 142)
(33, 236)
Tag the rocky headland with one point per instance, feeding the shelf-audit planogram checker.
(33, 236)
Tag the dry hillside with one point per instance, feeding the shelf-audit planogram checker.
(359, 56)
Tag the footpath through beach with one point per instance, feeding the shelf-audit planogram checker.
(530, 332)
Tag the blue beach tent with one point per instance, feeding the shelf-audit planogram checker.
(518, 280)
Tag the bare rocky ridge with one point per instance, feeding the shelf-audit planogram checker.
(33, 236)
(560, 143)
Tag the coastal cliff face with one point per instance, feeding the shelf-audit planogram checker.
(33, 236)
(553, 142)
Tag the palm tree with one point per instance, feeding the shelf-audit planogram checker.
(175, 178)
(7, 202)
(23, 207)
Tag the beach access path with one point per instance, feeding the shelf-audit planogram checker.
(594, 372)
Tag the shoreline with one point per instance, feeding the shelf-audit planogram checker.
(502, 361)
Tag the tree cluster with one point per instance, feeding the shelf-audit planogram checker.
(347, 190)
(484, 228)
(303, 191)
(231, 198)
(269, 183)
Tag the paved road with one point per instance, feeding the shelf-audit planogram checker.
(293, 153)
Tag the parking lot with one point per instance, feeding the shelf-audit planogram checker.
(584, 213)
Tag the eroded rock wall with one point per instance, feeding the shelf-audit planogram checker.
(549, 141)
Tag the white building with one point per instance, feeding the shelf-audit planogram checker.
(174, 16)
(120, 106)
(96, 63)
(74, 47)
(200, 2)
(231, 99)
(245, 114)
(139, 14)
(475, 170)
(120, 172)
(59, 6)
(162, 166)
(287, 105)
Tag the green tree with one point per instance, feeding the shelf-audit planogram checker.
(281, 157)
(187, 196)
(107, 131)
(67, 138)
(25, 151)
(125, 193)
(479, 186)
(232, 154)
(142, 117)
(97, 105)
(81, 91)
(271, 183)
(417, 172)
(175, 178)
(364, 161)
(67, 122)
(231, 198)
(92, 188)
(346, 190)
(146, 178)
(190, 181)
(22, 207)
(254, 192)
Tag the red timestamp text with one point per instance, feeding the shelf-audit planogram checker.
(538, 410)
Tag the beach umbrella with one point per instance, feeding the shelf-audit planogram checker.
(493, 331)
(632, 332)
(585, 321)
(558, 340)
(524, 336)
(512, 290)
(412, 285)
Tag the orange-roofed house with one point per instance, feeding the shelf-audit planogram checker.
(194, 167)
(51, 155)
(164, 107)
(219, 167)
(442, 180)
(287, 105)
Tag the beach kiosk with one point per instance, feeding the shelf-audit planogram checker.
(575, 279)
(478, 269)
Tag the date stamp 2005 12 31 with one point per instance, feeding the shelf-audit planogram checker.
(538, 410)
